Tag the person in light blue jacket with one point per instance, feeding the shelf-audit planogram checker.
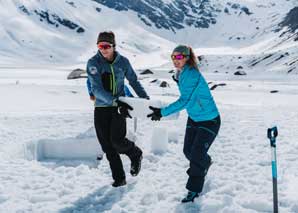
(106, 73)
(203, 117)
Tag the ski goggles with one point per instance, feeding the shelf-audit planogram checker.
(104, 46)
(178, 57)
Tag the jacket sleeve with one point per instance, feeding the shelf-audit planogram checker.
(189, 85)
(133, 81)
(89, 87)
(96, 86)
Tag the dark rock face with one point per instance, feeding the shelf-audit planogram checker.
(25, 10)
(291, 21)
(257, 61)
(175, 15)
(53, 19)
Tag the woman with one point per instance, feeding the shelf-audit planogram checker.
(106, 73)
(203, 117)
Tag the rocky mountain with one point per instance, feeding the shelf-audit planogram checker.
(63, 32)
(177, 14)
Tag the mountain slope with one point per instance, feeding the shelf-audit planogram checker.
(64, 32)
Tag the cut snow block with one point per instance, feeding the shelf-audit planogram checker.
(173, 136)
(83, 147)
(69, 148)
(159, 140)
(141, 107)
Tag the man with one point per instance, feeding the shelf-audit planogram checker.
(106, 73)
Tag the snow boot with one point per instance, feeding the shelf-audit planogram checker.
(118, 183)
(136, 165)
(190, 197)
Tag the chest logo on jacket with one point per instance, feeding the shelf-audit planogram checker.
(93, 70)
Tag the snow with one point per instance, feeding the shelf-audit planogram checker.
(41, 108)
(238, 181)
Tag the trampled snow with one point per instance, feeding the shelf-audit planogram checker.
(238, 181)
(40, 107)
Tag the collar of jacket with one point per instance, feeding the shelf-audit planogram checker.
(185, 67)
(117, 57)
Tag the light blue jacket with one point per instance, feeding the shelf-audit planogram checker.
(195, 97)
(120, 69)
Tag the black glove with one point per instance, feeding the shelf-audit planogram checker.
(155, 115)
(123, 109)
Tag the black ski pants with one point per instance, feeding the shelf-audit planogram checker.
(198, 138)
(110, 129)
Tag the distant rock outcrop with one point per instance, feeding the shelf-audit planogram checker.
(77, 73)
(240, 73)
(216, 85)
(164, 84)
(53, 19)
(146, 71)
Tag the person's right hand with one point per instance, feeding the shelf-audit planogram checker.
(124, 108)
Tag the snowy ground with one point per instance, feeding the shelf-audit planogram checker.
(40, 104)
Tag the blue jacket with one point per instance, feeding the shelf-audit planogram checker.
(195, 97)
(126, 89)
(119, 69)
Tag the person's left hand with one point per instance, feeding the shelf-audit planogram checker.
(123, 109)
(155, 115)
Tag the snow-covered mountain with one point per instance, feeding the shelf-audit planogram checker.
(64, 32)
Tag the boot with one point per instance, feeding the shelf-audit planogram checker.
(136, 165)
(190, 197)
(118, 183)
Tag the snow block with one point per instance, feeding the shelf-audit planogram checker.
(159, 140)
(141, 107)
(83, 147)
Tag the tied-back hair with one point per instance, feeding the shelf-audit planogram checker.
(192, 61)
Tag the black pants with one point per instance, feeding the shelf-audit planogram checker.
(198, 138)
(111, 131)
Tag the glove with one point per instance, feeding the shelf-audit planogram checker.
(155, 115)
(123, 109)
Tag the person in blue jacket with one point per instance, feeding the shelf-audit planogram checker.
(203, 117)
(106, 73)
